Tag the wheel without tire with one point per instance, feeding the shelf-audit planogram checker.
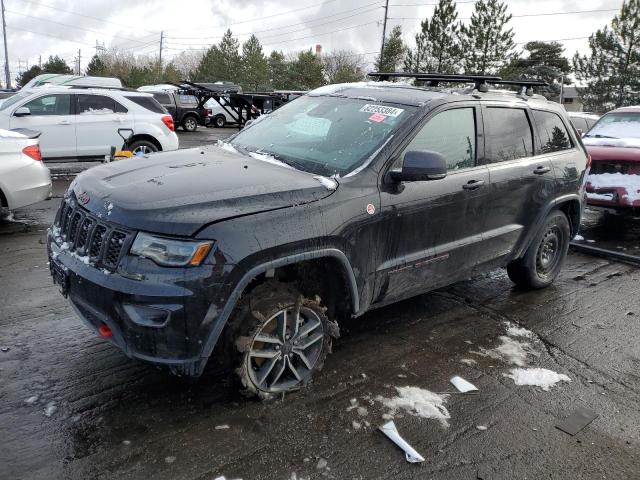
(190, 124)
(142, 146)
(219, 121)
(280, 339)
(544, 258)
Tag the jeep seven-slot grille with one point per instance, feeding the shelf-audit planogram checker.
(88, 235)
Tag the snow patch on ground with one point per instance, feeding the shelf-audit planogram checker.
(468, 361)
(579, 238)
(418, 402)
(538, 377)
(515, 331)
(510, 350)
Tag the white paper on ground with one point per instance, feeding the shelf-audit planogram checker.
(390, 430)
(462, 385)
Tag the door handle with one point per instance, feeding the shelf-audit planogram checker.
(64, 122)
(542, 170)
(473, 184)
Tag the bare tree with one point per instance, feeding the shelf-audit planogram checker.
(343, 66)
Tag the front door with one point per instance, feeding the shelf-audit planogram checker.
(52, 116)
(98, 120)
(435, 227)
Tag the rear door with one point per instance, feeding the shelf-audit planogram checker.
(435, 227)
(522, 179)
(53, 116)
(98, 119)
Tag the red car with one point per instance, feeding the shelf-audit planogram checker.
(613, 183)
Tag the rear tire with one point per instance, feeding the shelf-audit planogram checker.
(544, 258)
(190, 124)
(296, 338)
(219, 121)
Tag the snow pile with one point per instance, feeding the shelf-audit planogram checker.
(509, 350)
(515, 331)
(539, 377)
(630, 183)
(418, 402)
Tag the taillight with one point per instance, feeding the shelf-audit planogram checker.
(168, 121)
(33, 151)
(588, 161)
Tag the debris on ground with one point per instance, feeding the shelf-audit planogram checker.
(469, 362)
(537, 377)
(126, 442)
(322, 464)
(578, 238)
(418, 402)
(50, 409)
(362, 411)
(462, 385)
(170, 459)
(5, 349)
(516, 331)
(481, 427)
(510, 350)
(390, 430)
(31, 400)
(356, 425)
(222, 427)
(577, 421)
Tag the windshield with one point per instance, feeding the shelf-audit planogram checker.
(13, 100)
(325, 135)
(617, 125)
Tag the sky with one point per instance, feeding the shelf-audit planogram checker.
(60, 27)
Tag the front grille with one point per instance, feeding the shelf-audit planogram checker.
(612, 166)
(86, 234)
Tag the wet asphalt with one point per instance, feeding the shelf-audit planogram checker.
(74, 407)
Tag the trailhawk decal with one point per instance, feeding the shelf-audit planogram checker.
(382, 110)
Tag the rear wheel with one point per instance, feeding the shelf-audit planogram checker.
(280, 340)
(190, 124)
(219, 121)
(544, 258)
(142, 147)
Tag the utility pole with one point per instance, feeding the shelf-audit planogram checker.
(40, 61)
(562, 89)
(160, 58)
(384, 28)
(79, 61)
(6, 51)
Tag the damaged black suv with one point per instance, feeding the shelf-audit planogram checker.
(349, 198)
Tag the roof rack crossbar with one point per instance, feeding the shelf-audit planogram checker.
(479, 80)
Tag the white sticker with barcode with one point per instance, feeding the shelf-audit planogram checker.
(382, 110)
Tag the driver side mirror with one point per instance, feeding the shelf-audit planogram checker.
(22, 112)
(420, 165)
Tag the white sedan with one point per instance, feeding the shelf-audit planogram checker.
(23, 178)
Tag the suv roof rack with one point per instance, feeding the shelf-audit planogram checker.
(481, 81)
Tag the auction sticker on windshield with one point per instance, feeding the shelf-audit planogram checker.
(382, 110)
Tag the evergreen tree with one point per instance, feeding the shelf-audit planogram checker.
(393, 53)
(97, 67)
(171, 74)
(486, 43)
(540, 61)
(437, 44)
(305, 72)
(255, 66)
(27, 75)
(611, 71)
(56, 65)
(278, 71)
(221, 62)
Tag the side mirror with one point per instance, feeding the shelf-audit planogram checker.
(22, 112)
(418, 166)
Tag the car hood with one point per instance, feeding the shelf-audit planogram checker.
(600, 152)
(177, 193)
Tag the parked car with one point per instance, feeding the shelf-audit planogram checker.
(217, 116)
(57, 79)
(23, 178)
(613, 184)
(583, 121)
(84, 122)
(183, 108)
(349, 198)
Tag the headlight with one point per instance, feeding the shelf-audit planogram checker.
(168, 252)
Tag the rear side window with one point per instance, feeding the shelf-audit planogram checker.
(188, 100)
(451, 133)
(508, 134)
(97, 104)
(149, 103)
(554, 136)
(162, 98)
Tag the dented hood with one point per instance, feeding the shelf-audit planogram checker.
(177, 193)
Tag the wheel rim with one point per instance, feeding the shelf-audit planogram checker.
(144, 149)
(191, 124)
(286, 349)
(549, 251)
(220, 122)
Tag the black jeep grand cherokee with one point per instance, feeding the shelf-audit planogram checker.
(351, 197)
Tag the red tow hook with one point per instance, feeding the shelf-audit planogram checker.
(105, 332)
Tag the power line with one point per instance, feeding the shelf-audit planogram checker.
(527, 14)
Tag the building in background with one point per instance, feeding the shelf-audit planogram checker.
(571, 99)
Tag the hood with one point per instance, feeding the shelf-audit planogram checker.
(177, 193)
(600, 152)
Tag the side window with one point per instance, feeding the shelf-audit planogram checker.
(553, 134)
(120, 108)
(578, 122)
(95, 104)
(508, 134)
(50, 105)
(162, 98)
(451, 133)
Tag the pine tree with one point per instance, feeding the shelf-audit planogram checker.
(540, 61)
(97, 67)
(221, 62)
(393, 53)
(28, 75)
(305, 72)
(486, 43)
(278, 71)
(611, 71)
(55, 64)
(437, 44)
(255, 66)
